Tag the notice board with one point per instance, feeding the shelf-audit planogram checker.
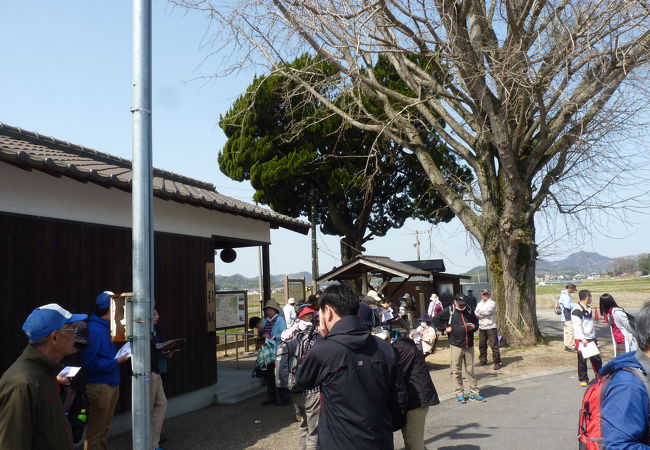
(231, 309)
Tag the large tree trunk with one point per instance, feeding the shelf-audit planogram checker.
(511, 264)
(350, 248)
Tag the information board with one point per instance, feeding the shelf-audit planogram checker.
(231, 307)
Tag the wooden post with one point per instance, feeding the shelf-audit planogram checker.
(266, 275)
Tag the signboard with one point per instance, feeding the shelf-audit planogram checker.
(231, 307)
(210, 306)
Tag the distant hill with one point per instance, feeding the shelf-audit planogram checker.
(579, 262)
(237, 281)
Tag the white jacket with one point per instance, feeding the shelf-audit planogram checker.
(290, 314)
(623, 324)
(485, 310)
(582, 320)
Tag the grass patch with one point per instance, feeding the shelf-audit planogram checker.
(629, 293)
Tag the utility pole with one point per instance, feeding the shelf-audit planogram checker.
(314, 246)
(417, 244)
(142, 196)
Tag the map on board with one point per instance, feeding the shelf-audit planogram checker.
(231, 309)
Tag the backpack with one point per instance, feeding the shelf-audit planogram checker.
(289, 357)
(557, 309)
(590, 424)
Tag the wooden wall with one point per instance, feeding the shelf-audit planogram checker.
(46, 260)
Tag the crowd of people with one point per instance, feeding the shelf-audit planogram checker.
(352, 366)
(45, 407)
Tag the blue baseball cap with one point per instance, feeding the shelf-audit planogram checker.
(103, 300)
(48, 318)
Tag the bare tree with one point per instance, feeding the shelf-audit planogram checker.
(534, 95)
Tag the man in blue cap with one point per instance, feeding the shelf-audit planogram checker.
(31, 412)
(103, 374)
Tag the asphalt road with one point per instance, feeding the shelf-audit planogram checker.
(534, 413)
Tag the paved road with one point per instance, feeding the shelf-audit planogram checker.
(534, 413)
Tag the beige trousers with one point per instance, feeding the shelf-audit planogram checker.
(413, 431)
(158, 408)
(568, 334)
(463, 357)
(102, 400)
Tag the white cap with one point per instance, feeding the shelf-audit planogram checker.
(291, 301)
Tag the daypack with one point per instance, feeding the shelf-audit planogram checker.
(289, 357)
(590, 424)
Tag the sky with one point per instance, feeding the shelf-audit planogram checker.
(66, 73)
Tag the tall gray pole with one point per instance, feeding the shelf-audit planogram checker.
(314, 245)
(142, 226)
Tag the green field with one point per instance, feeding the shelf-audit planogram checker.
(629, 292)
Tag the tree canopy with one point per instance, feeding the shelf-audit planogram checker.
(295, 151)
(534, 96)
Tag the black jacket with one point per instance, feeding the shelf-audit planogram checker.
(361, 385)
(419, 386)
(460, 336)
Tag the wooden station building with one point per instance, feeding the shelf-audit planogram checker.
(65, 236)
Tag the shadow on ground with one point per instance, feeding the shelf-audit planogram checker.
(231, 427)
(460, 432)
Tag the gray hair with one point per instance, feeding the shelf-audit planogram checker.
(642, 328)
(39, 342)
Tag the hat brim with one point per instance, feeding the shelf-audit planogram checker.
(77, 318)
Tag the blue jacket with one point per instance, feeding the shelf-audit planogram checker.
(98, 359)
(624, 409)
(278, 327)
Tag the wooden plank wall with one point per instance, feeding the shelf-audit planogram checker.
(46, 260)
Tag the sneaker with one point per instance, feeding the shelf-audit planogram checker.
(476, 398)
(482, 363)
(497, 366)
(584, 384)
(461, 399)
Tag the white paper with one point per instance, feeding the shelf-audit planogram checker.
(589, 350)
(69, 371)
(125, 350)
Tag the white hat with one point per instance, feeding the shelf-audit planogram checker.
(407, 295)
(433, 297)
(374, 295)
(291, 301)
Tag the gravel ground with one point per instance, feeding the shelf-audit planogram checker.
(248, 425)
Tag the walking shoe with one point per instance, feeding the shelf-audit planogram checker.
(497, 366)
(482, 363)
(461, 399)
(584, 384)
(477, 398)
(570, 349)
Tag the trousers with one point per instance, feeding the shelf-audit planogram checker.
(413, 431)
(308, 406)
(463, 357)
(485, 337)
(102, 400)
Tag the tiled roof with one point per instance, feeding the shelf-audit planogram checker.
(32, 150)
(377, 264)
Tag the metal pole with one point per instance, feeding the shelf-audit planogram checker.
(142, 226)
(314, 246)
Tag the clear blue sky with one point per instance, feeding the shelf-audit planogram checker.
(66, 72)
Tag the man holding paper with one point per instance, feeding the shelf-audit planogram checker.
(31, 413)
(585, 337)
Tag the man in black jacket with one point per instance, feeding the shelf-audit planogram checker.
(420, 389)
(460, 323)
(363, 393)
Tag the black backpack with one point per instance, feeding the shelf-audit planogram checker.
(289, 357)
